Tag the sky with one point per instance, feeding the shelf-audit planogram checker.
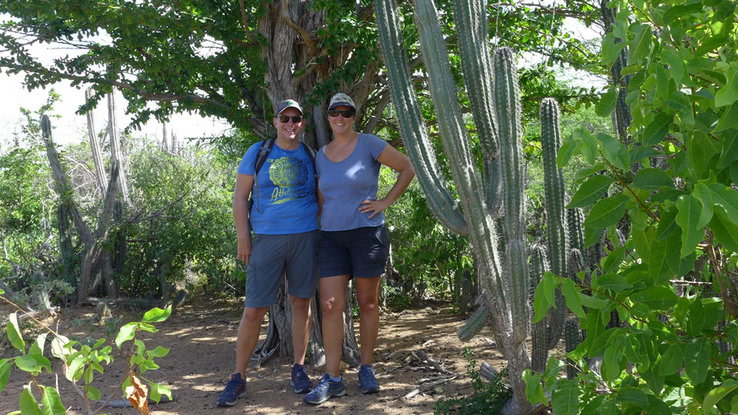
(72, 128)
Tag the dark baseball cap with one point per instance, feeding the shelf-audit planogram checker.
(288, 103)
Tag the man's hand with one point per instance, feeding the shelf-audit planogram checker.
(244, 249)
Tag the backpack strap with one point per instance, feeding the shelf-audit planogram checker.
(261, 156)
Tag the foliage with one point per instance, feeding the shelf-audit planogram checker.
(671, 280)
(185, 224)
(81, 362)
(488, 397)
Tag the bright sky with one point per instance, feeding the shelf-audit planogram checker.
(72, 127)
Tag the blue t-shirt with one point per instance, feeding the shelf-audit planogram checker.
(348, 183)
(285, 200)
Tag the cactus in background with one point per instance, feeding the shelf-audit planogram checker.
(540, 335)
(572, 338)
(575, 226)
(493, 201)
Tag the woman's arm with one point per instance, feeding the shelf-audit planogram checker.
(398, 162)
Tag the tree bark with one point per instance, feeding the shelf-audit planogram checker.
(102, 181)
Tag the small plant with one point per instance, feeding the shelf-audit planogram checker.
(81, 361)
(488, 397)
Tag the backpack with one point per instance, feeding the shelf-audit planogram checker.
(261, 156)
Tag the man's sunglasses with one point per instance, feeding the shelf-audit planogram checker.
(346, 113)
(284, 119)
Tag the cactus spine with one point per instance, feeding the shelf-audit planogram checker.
(538, 267)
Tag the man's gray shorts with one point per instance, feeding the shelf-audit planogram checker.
(271, 255)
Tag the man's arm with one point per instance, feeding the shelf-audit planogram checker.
(244, 184)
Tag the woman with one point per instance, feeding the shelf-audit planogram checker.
(353, 238)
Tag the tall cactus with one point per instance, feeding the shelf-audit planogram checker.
(505, 283)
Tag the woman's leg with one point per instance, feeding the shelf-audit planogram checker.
(333, 300)
(367, 292)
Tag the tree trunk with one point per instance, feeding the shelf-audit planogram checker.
(102, 181)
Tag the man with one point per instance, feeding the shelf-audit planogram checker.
(284, 220)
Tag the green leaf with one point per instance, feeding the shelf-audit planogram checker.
(611, 364)
(589, 144)
(126, 333)
(534, 388)
(687, 218)
(642, 152)
(590, 191)
(697, 359)
(726, 198)
(611, 50)
(672, 361)
(27, 363)
(592, 302)
(615, 151)
(728, 94)
(681, 10)
(549, 288)
(656, 130)
(607, 211)
(572, 298)
(567, 150)
(93, 393)
(540, 305)
(52, 402)
(657, 406)
(633, 396)
(729, 150)
(2, 292)
(702, 193)
(640, 46)
(158, 389)
(57, 347)
(14, 333)
(724, 230)
(656, 298)
(5, 367)
(607, 103)
(696, 317)
(728, 120)
(612, 282)
(28, 404)
(158, 352)
(675, 62)
(717, 394)
(565, 398)
(157, 315)
(652, 179)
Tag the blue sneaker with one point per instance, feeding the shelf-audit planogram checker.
(325, 390)
(235, 388)
(367, 381)
(300, 380)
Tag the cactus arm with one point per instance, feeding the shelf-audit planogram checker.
(457, 147)
(477, 67)
(554, 197)
(539, 353)
(412, 128)
(510, 133)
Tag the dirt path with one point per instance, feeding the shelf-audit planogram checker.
(202, 343)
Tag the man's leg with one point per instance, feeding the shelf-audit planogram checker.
(300, 327)
(248, 337)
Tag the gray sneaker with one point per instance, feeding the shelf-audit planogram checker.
(325, 390)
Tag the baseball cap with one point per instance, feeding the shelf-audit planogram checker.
(288, 103)
(341, 99)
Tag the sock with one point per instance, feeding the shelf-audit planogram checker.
(297, 366)
(338, 379)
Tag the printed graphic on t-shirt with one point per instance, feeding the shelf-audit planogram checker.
(289, 176)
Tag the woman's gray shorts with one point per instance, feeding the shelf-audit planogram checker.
(271, 255)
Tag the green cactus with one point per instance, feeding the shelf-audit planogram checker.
(474, 324)
(575, 226)
(572, 337)
(538, 267)
(492, 210)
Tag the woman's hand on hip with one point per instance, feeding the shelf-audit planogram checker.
(374, 206)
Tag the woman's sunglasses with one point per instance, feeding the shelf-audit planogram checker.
(284, 119)
(346, 113)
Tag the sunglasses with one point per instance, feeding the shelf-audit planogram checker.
(346, 113)
(284, 119)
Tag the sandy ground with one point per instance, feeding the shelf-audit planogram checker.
(202, 342)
